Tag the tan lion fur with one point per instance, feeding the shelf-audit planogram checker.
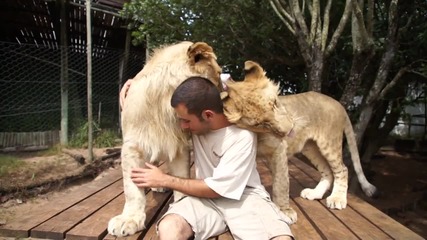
(257, 110)
(318, 122)
(151, 132)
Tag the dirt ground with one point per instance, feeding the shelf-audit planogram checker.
(400, 177)
(402, 181)
(39, 175)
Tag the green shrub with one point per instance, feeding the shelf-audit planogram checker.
(101, 137)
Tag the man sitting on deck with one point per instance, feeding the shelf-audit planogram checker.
(227, 193)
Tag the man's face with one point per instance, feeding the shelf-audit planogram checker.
(191, 122)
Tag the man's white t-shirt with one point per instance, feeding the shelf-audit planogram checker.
(225, 159)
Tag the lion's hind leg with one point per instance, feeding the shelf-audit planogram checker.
(333, 153)
(133, 216)
(311, 151)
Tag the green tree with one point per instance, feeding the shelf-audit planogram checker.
(238, 30)
(368, 49)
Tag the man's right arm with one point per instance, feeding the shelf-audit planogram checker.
(191, 187)
(153, 177)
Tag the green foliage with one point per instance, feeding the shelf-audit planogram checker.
(102, 138)
(237, 30)
(106, 138)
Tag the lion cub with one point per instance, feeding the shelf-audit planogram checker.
(252, 103)
(319, 123)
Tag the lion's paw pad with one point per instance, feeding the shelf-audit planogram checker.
(121, 225)
(290, 215)
(336, 202)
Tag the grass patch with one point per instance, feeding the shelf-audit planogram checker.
(54, 150)
(106, 138)
(9, 163)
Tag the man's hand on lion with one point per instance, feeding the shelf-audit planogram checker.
(148, 177)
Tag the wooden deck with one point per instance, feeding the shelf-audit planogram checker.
(83, 213)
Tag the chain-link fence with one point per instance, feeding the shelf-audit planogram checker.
(31, 92)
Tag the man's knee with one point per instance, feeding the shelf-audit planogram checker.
(173, 226)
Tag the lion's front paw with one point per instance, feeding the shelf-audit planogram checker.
(311, 194)
(336, 202)
(290, 215)
(124, 225)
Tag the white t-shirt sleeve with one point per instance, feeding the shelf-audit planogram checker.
(235, 167)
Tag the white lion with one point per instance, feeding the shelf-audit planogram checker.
(150, 128)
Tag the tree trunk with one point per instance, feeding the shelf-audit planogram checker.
(381, 78)
(377, 134)
(316, 71)
(359, 66)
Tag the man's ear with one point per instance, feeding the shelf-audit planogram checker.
(207, 114)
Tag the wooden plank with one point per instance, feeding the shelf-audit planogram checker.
(150, 232)
(303, 227)
(351, 219)
(387, 224)
(155, 206)
(95, 226)
(316, 212)
(26, 219)
(363, 228)
(382, 222)
(90, 231)
(155, 201)
(21, 140)
(56, 227)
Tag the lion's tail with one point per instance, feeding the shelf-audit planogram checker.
(369, 189)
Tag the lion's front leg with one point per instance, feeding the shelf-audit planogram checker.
(180, 167)
(133, 216)
(279, 168)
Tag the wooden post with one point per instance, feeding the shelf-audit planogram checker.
(425, 116)
(99, 113)
(89, 78)
(64, 71)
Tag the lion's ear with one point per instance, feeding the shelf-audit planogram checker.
(253, 71)
(198, 51)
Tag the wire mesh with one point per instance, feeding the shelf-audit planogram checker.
(30, 86)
